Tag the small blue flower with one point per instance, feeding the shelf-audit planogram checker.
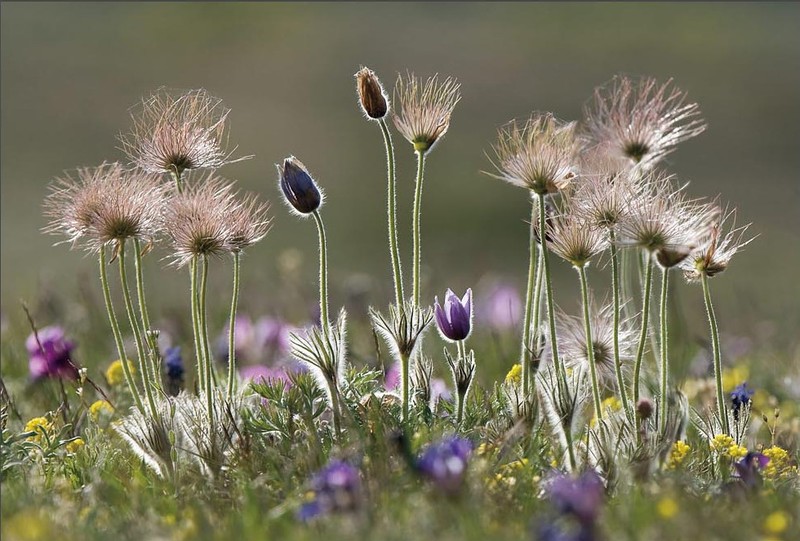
(444, 463)
(740, 397)
(455, 318)
(336, 488)
(175, 370)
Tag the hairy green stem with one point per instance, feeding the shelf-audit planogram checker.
(637, 367)
(525, 355)
(405, 362)
(112, 318)
(198, 350)
(416, 227)
(147, 380)
(712, 322)
(175, 173)
(391, 205)
(336, 407)
(323, 276)
(232, 324)
(461, 398)
(664, 342)
(587, 327)
(150, 339)
(209, 369)
(537, 317)
(615, 287)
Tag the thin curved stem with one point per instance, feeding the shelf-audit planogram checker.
(198, 350)
(537, 317)
(115, 330)
(144, 314)
(525, 354)
(405, 361)
(323, 276)
(712, 322)
(462, 357)
(126, 295)
(232, 325)
(587, 327)
(637, 367)
(551, 318)
(664, 342)
(615, 287)
(204, 339)
(391, 206)
(416, 225)
(176, 176)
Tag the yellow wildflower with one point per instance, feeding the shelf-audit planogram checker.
(100, 410)
(74, 445)
(776, 523)
(725, 446)
(115, 373)
(609, 405)
(40, 425)
(680, 450)
(514, 376)
(667, 507)
(780, 463)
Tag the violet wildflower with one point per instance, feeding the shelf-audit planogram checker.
(263, 374)
(298, 187)
(173, 361)
(454, 320)
(740, 398)
(336, 488)
(272, 338)
(501, 309)
(444, 463)
(49, 354)
(580, 498)
(748, 469)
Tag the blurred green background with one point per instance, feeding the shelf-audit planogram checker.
(71, 71)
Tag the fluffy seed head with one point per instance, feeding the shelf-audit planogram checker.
(371, 95)
(248, 222)
(714, 254)
(538, 155)
(197, 219)
(575, 240)
(604, 196)
(105, 204)
(299, 188)
(425, 109)
(173, 133)
(641, 119)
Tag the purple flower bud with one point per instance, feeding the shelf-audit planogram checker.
(444, 463)
(175, 370)
(455, 318)
(298, 187)
(49, 357)
(740, 397)
(747, 469)
(578, 497)
(336, 488)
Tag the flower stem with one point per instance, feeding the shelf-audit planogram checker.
(637, 367)
(391, 205)
(405, 361)
(712, 322)
(551, 318)
(150, 340)
(126, 295)
(533, 283)
(664, 342)
(587, 326)
(198, 350)
(232, 325)
(462, 357)
(416, 229)
(323, 276)
(112, 318)
(615, 286)
(176, 176)
(209, 370)
(336, 407)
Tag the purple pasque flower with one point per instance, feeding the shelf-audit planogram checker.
(740, 397)
(49, 355)
(259, 373)
(336, 488)
(391, 381)
(272, 337)
(444, 463)
(501, 308)
(748, 469)
(579, 497)
(243, 340)
(454, 319)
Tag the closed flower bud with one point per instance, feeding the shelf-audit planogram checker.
(371, 94)
(644, 408)
(298, 187)
(454, 319)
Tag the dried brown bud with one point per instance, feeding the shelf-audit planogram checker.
(371, 94)
(644, 408)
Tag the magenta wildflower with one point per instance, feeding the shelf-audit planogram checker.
(444, 463)
(454, 320)
(749, 468)
(502, 308)
(49, 354)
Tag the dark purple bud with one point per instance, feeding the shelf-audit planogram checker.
(579, 497)
(444, 463)
(49, 356)
(740, 397)
(298, 187)
(454, 319)
(175, 370)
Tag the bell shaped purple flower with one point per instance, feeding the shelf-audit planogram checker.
(749, 468)
(454, 319)
(444, 463)
(299, 189)
(336, 488)
(579, 497)
(49, 356)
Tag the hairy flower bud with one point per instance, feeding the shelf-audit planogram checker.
(644, 408)
(298, 187)
(371, 94)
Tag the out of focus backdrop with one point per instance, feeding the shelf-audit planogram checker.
(70, 72)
